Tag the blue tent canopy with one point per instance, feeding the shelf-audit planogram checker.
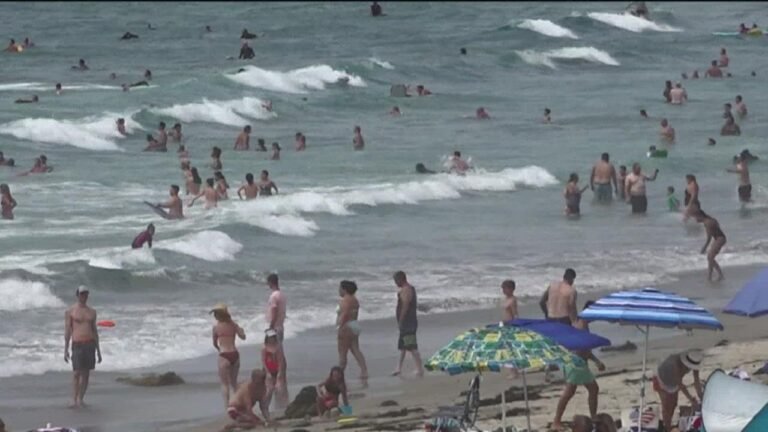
(752, 300)
(570, 337)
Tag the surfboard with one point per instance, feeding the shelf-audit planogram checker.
(726, 34)
(160, 212)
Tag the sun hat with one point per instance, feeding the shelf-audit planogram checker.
(220, 307)
(692, 359)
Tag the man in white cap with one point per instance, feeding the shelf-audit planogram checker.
(80, 328)
(668, 382)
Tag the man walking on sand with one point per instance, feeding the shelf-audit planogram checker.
(276, 311)
(80, 328)
(559, 301)
(407, 323)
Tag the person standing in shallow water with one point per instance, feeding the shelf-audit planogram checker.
(603, 174)
(407, 323)
(349, 328)
(715, 235)
(358, 143)
(225, 332)
(80, 329)
(7, 203)
(634, 188)
(572, 195)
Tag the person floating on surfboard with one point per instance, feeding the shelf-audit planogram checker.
(144, 237)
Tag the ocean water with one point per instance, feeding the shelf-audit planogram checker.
(344, 214)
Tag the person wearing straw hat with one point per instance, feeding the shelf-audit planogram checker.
(224, 333)
(668, 382)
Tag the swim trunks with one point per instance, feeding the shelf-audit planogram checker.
(745, 193)
(639, 203)
(83, 356)
(603, 192)
(407, 341)
(578, 375)
(562, 320)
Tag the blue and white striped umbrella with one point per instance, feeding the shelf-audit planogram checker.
(651, 307)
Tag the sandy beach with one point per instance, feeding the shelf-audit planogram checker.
(196, 405)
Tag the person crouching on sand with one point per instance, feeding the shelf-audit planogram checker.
(224, 334)
(271, 353)
(668, 382)
(240, 408)
(328, 391)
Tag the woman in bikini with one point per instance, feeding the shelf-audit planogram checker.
(7, 203)
(349, 328)
(716, 235)
(271, 354)
(193, 182)
(328, 391)
(221, 185)
(216, 164)
(225, 331)
(691, 198)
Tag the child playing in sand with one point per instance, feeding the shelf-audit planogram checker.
(240, 408)
(672, 201)
(328, 391)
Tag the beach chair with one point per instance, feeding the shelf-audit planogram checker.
(465, 415)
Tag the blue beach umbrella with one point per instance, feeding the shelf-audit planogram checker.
(752, 300)
(568, 336)
(650, 307)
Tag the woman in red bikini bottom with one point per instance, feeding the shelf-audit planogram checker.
(225, 331)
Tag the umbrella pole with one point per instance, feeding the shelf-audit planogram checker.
(642, 382)
(527, 409)
(504, 409)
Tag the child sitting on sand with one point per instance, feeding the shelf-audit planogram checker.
(328, 392)
(672, 201)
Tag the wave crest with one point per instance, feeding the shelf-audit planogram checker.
(19, 295)
(230, 113)
(547, 28)
(547, 58)
(630, 22)
(315, 77)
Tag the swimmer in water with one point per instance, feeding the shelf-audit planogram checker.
(713, 71)
(711, 142)
(175, 133)
(112, 76)
(44, 163)
(121, 127)
(247, 35)
(458, 165)
(81, 66)
(250, 188)
(221, 185)
(745, 185)
(667, 132)
(147, 74)
(572, 195)
(267, 105)
(643, 114)
(358, 143)
(216, 159)
(162, 136)
(183, 153)
(261, 145)
(153, 145)
(58, 89)
(210, 194)
(301, 142)
(208, 29)
(7, 203)
(743, 29)
(730, 128)
(678, 95)
(266, 185)
(463, 51)
(695, 74)
(547, 116)
(12, 46)
(741, 107)
(193, 182)
(376, 10)
(421, 169)
(395, 111)
(482, 114)
(724, 60)
(672, 202)
(34, 99)
(144, 237)
(422, 91)
(667, 90)
(246, 52)
(243, 140)
(129, 35)
(275, 151)
(174, 204)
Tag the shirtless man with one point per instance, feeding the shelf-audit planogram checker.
(482, 114)
(162, 136)
(678, 95)
(667, 132)
(634, 188)
(266, 185)
(458, 165)
(730, 128)
(510, 301)
(174, 205)
(243, 141)
(714, 71)
(745, 185)
(358, 143)
(559, 301)
(741, 107)
(121, 127)
(240, 408)
(210, 194)
(80, 328)
(250, 188)
(603, 173)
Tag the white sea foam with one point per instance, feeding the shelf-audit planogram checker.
(230, 112)
(381, 63)
(19, 295)
(630, 22)
(205, 245)
(119, 259)
(90, 133)
(547, 58)
(38, 86)
(315, 77)
(547, 28)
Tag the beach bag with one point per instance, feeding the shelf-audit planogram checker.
(651, 419)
